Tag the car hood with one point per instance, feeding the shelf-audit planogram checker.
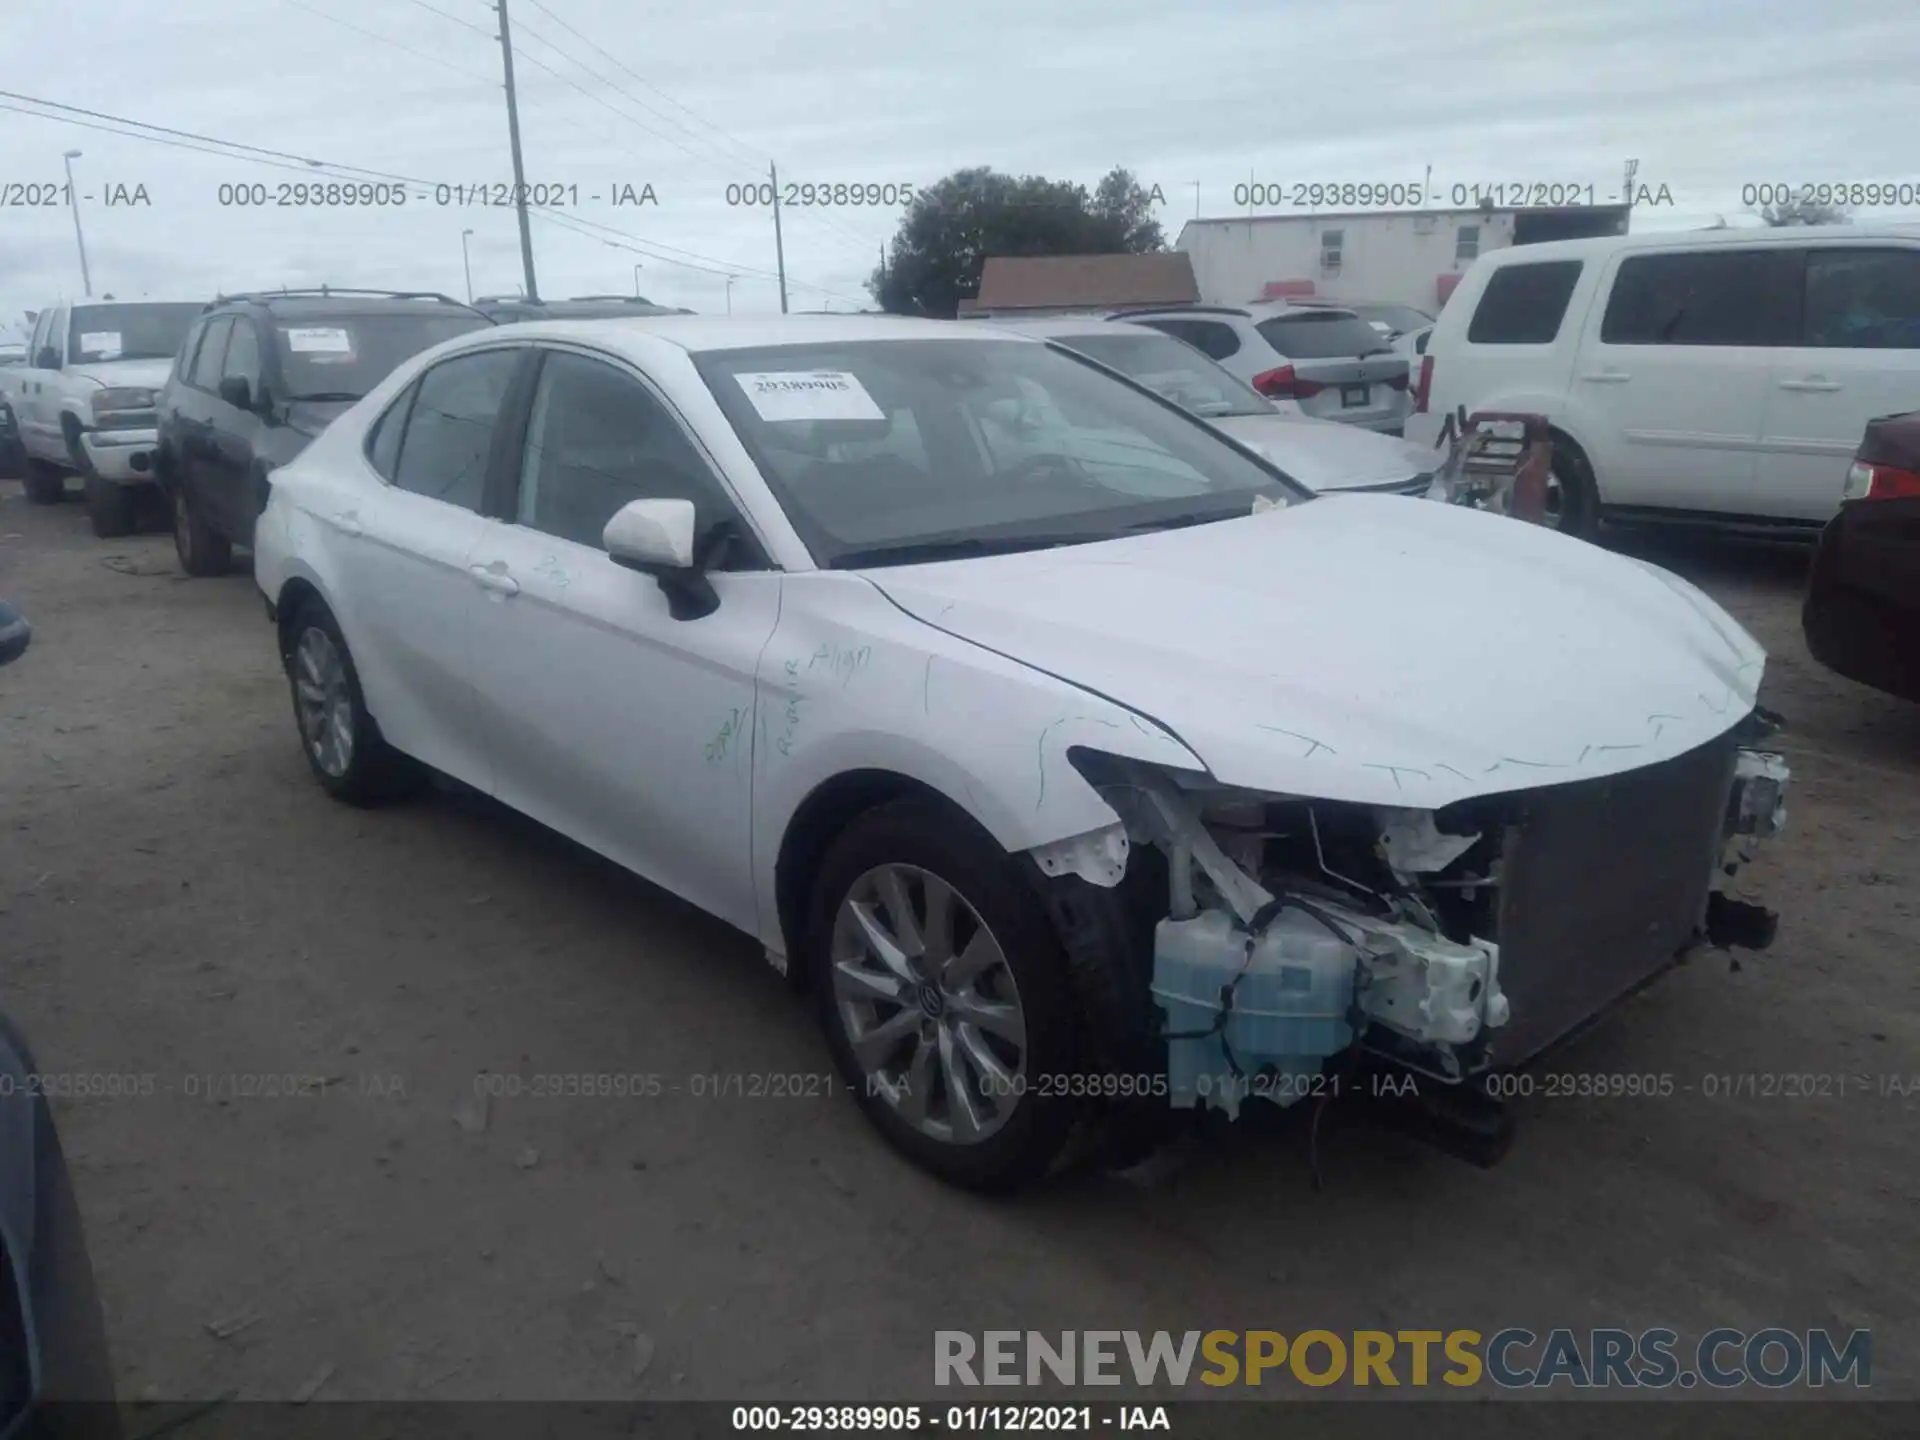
(1367, 649)
(150, 373)
(1325, 455)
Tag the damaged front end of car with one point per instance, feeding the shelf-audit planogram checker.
(1295, 938)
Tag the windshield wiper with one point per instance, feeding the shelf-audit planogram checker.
(324, 397)
(961, 547)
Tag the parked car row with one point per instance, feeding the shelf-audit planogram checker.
(199, 399)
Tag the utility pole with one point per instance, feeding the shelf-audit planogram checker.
(730, 280)
(466, 264)
(779, 250)
(1196, 199)
(1626, 193)
(73, 203)
(519, 171)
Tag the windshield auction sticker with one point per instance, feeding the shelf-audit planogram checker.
(809, 395)
(318, 341)
(104, 344)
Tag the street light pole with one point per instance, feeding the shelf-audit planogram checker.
(466, 263)
(730, 280)
(636, 279)
(73, 203)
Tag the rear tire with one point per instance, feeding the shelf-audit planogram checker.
(46, 483)
(1571, 484)
(201, 551)
(111, 508)
(342, 743)
(948, 1031)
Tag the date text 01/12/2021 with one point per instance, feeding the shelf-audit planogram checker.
(901, 1419)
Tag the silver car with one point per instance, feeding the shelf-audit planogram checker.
(1317, 453)
(1323, 362)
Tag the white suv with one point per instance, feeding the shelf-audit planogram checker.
(1325, 363)
(1719, 375)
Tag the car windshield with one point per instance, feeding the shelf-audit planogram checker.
(342, 357)
(1320, 334)
(1171, 368)
(892, 451)
(128, 332)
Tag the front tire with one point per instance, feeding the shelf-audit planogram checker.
(343, 745)
(110, 508)
(943, 992)
(201, 551)
(46, 483)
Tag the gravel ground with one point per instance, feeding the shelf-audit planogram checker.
(179, 901)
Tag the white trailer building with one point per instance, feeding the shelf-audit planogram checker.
(1410, 257)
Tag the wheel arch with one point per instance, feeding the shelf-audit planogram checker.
(828, 809)
(293, 595)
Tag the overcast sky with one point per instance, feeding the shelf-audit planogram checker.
(688, 98)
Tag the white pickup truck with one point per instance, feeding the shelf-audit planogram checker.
(84, 400)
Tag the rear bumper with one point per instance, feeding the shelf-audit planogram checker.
(1861, 617)
(124, 457)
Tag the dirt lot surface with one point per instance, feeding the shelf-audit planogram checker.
(179, 901)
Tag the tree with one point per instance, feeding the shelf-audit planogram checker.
(1804, 212)
(945, 238)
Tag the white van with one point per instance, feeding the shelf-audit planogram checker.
(1710, 375)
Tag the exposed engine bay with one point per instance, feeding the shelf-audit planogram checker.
(1442, 943)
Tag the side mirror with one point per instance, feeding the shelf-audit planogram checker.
(46, 358)
(236, 392)
(656, 537)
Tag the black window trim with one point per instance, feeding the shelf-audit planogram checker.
(224, 318)
(503, 475)
(406, 397)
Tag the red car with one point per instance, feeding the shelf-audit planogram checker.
(1862, 611)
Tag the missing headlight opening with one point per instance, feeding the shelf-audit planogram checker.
(1295, 938)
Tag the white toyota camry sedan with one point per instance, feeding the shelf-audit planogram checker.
(1083, 766)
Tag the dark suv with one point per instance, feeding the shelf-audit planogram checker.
(259, 376)
(506, 309)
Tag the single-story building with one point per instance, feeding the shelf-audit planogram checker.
(1065, 284)
(1408, 257)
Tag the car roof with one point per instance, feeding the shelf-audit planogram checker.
(1053, 326)
(700, 334)
(304, 306)
(1695, 239)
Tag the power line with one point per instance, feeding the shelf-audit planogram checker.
(286, 160)
(445, 15)
(397, 44)
(755, 157)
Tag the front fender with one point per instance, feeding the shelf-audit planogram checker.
(849, 682)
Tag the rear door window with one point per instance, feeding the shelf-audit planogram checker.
(449, 436)
(1860, 299)
(212, 354)
(243, 355)
(1701, 297)
(1524, 304)
(1320, 334)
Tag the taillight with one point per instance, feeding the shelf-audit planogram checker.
(1880, 482)
(1425, 387)
(1284, 384)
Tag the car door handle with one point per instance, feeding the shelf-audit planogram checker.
(1607, 377)
(349, 522)
(1814, 383)
(495, 578)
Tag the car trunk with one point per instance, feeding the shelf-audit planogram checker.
(1342, 369)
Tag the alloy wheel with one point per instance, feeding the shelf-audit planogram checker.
(324, 701)
(929, 1004)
